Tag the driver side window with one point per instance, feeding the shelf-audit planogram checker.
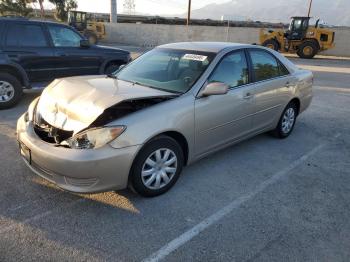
(232, 70)
(64, 37)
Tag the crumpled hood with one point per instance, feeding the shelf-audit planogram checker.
(74, 103)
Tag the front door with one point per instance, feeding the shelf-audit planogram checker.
(220, 119)
(72, 59)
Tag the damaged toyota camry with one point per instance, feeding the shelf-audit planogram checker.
(171, 106)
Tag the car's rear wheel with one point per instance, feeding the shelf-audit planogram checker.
(10, 90)
(307, 50)
(157, 167)
(287, 121)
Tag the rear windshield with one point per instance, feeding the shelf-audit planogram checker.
(167, 69)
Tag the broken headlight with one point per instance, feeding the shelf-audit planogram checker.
(95, 138)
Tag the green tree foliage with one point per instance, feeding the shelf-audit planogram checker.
(63, 7)
(15, 7)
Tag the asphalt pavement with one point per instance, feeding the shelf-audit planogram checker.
(264, 199)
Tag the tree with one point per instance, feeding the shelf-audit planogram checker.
(63, 7)
(15, 7)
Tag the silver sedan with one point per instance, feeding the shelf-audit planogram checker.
(171, 106)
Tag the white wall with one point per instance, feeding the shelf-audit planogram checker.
(149, 35)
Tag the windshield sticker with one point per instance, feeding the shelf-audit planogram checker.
(195, 57)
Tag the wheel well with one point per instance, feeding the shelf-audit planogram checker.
(113, 62)
(181, 140)
(12, 71)
(296, 101)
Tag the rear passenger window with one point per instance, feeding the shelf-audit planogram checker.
(22, 35)
(232, 70)
(265, 66)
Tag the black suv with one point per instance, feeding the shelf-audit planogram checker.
(33, 53)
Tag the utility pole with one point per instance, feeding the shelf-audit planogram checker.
(113, 15)
(189, 13)
(42, 10)
(310, 4)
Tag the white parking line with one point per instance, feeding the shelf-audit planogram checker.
(194, 231)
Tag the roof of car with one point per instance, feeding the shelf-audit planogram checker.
(24, 19)
(214, 47)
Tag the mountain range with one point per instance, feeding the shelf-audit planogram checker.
(333, 12)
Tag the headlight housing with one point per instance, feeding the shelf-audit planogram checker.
(95, 138)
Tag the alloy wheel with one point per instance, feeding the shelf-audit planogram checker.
(7, 91)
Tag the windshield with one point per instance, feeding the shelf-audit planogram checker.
(167, 69)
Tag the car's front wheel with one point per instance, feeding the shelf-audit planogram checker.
(287, 121)
(157, 167)
(92, 37)
(272, 44)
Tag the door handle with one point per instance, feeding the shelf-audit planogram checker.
(248, 96)
(61, 54)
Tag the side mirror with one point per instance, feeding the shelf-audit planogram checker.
(84, 43)
(215, 88)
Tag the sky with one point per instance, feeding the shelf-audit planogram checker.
(152, 7)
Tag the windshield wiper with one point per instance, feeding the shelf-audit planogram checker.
(138, 83)
(112, 76)
(142, 84)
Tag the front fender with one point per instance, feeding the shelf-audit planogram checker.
(175, 115)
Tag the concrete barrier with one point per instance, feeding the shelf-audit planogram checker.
(149, 35)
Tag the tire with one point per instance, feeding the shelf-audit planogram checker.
(141, 166)
(92, 37)
(11, 90)
(307, 50)
(272, 44)
(112, 68)
(281, 131)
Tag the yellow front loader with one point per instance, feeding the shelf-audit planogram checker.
(87, 26)
(300, 38)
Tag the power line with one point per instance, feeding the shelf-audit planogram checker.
(129, 7)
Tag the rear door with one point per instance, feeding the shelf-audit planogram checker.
(273, 85)
(70, 58)
(220, 119)
(27, 44)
